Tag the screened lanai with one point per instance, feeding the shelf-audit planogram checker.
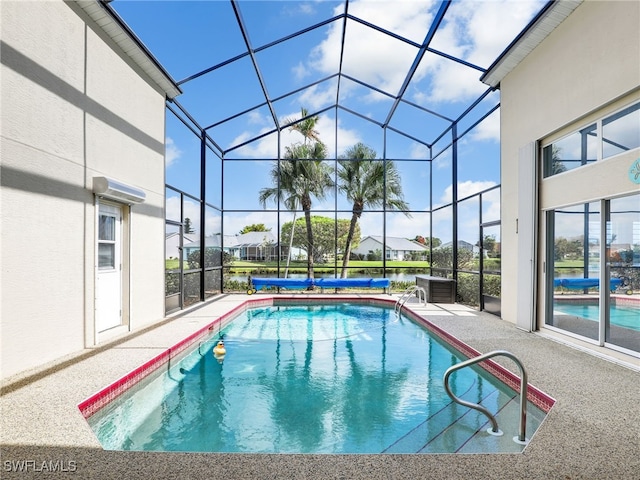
(309, 139)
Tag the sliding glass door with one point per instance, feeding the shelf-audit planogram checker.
(622, 324)
(574, 269)
(588, 246)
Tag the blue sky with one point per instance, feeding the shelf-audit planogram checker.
(188, 37)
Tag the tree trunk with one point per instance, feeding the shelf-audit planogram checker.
(306, 205)
(347, 248)
(307, 215)
(293, 226)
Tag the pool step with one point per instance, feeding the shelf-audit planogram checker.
(508, 421)
(463, 430)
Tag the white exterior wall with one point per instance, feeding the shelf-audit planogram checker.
(367, 244)
(72, 109)
(584, 67)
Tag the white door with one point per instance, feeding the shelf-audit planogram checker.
(109, 268)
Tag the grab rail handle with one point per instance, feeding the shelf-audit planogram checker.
(521, 438)
(407, 293)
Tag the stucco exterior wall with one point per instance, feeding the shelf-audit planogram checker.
(587, 63)
(368, 245)
(72, 108)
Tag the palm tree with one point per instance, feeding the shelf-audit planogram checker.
(306, 126)
(367, 183)
(557, 165)
(298, 177)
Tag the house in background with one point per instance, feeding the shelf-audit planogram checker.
(255, 246)
(462, 245)
(172, 243)
(212, 241)
(397, 248)
(245, 246)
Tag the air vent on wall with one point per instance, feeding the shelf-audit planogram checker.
(109, 188)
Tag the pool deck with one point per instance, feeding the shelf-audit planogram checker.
(592, 431)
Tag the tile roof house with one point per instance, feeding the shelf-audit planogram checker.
(396, 248)
(245, 246)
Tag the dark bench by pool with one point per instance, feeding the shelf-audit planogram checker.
(437, 289)
(299, 283)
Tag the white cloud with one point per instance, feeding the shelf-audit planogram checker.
(404, 227)
(488, 129)
(267, 147)
(241, 137)
(172, 152)
(443, 160)
(256, 119)
(398, 225)
(370, 224)
(306, 8)
(233, 224)
(317, 97)
(213, 223)
(406, 18)
(346, 137)
(192, 212)
(466, 189)
(385, 65)
(491, 204)
(450, 82)
(492, 26)
(477, 32)
(418, 151)
(300, 71)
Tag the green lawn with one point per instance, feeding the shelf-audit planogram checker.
(245, 267)
(174, 264)
(242, 266)
(568, 264)
(239, 266)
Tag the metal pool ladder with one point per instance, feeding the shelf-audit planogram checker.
(494, 430)
(407, 293)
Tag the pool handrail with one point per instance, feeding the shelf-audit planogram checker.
(406, 294)
(521, 438)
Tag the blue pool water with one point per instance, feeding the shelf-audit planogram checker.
(337, 378)
(620, 316)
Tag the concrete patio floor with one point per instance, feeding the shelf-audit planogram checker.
(592, 432)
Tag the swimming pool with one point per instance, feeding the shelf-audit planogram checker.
(324, 378)
(620, 316)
